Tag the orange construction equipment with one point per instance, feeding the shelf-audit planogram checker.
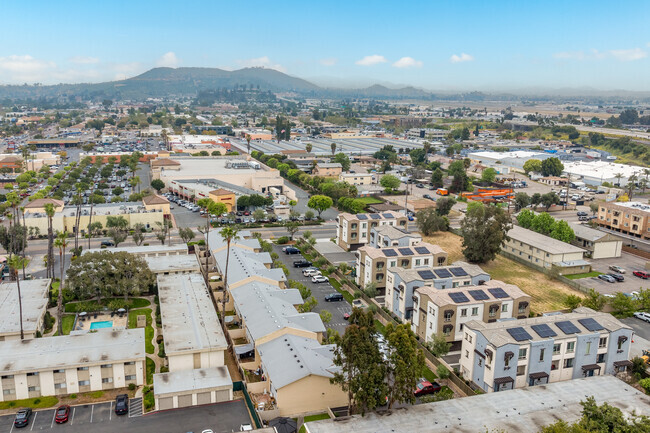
(489, 195)
(442, 191)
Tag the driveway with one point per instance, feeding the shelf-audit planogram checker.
(630, 263)
(318, 291)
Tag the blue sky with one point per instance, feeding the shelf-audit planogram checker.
(436, 44)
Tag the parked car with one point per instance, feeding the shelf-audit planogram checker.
(22, 417)
(425, 387)
(62, 414)
(302, 263)
(346, 316)
(245, 427)
(582, 213)
(319, 279)
(641, 274)
(617, 277)
(643, 316)
(105, 244)
(357, 303)
(607, 278)
(291, 250)
(617, 269)
(334, 297)
(311, 272)
(419, 185)
(122, 404)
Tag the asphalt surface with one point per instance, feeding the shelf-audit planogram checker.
(640, 327)
(318, 291)
(101, 418)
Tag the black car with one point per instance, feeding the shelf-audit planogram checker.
(22, 418)
(581, 213)
(122, 404)
(292, 250)
(617, 277)
(334, 297)
(301, 263)
(105, 244)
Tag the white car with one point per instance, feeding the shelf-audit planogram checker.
(245, 427)
(643, 316)
(319, 279)
(311, 272)
(617, 269)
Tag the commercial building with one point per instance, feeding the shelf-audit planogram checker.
(446, 312)
(48, 143)
(34, 297)
(192, 387)
(174, 264)
(158, 203)
(217, 190)
(327, 169)
(599, 245)
(196, 143)
(546, 252)
(224, 196)
(630, 218)
(102, 360)
(38, 205)
(155, 250)
(14, 163)
(353, 231)
(502, 162)
(429, 134)
(500, 356)
(597, 172)
(358, 179)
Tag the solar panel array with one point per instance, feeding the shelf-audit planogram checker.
(375, 216)
(442, 273)
(458, 298)
(427, 275)
(389, 252)
(422, 250)
(591, 324)
(458, 272)
(544, 330)
(387, 215)
(567, 327)
(479, 295)
(519, 334)
(406, 251)
(362, 216)
(498, 292)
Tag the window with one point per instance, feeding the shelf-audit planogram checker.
(130, 377)
(33, 373)
(107, 380)
(475, 311)
(521, 370)
(602, 342)
(379, 277)
(568, 363)
(58, 371)
(417, 262)
(504, 308)
(468, 338)
(393, 263)
(522, 353)
(405, 263)
(426, 261)
(570, 346)
(353, 236)
(84, 382)
(541, 354)
(60, 385)
(463, 312)
(448, 315)
(33, 388)
(467, 354)
(9, 376)
(556, 348)
(8, 391)
(588, 348)
(480, 361)
(107, 366)
(555, 364)
(601, 358)
(82, 368)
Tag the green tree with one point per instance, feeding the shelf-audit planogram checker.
(404, 364)
(563, 232)
(594, 300)
(186, 234)
(342, 159)
(526, 218)
(439, 346)
(489, 175)
(444, 205)
(325, 316)
(429, 222)
(229, 235)
(622, 305)
(543, 223)
(437, 178)
(333, 146)
(61, 243)
(521, 200)
(484, 230)
(593, 207)
(533, 166)
(389, 182)
(292, 228)
(552, 167)
(549, 199)
(535, 200)
(572, 302)
(157, 184)
(418, 156)
(138, 233)
(308, 305)
(320, 203)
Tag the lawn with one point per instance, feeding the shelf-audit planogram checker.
(76, 307)
(428, 374)
(148, 330)
(380, 327)
(34, 403)
(585, 275)
(370, 200)
(68, 322)
(151, 369)
(547, 294)
(316, 417)
(346, 295)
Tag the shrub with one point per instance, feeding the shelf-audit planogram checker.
(357, 294)
(159, 339)
(132, 386)
(149, 401)
(282, 240)
(37, 401)
(443, 372)
(73, 396)
(373, 308)
(164, 369)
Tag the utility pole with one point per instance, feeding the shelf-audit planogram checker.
(566, 199)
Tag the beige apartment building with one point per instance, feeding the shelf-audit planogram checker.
(327, 169)
(631, 218)
(353, 231)
(34, 297)
(358, 179)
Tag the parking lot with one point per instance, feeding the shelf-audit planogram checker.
(318, 291)
(628, 262)
(100, 418)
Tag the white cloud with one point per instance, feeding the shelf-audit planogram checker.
(455, 58)
(168, 60)
(407, 62)
(25, 69)
(328, 62)
(263, 62)
(629, 55)
(122, 71)
(375, 59)
(84, 60)
(625, 55)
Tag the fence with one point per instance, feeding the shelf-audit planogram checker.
(241, 386)
(636, 252)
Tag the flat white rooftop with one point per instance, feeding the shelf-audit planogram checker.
(34, 299)
(103, 346)
(144, 250)
(521, 410)
(191, 380)
(173, 264)
(189, 319)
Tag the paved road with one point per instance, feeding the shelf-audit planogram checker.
(318, 291)
(640, 327)
(100, 418)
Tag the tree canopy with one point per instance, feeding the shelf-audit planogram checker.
(320, 203)
(552, 167)
(389, 182)
(484, 230)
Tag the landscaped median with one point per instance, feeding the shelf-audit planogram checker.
(592, 274)
(34, 403)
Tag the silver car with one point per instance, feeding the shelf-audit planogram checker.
(643, 316)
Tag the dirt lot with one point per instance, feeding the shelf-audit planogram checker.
(547, 294)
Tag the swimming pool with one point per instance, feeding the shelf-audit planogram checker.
(99, 325)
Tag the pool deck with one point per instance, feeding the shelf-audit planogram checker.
(118, 322)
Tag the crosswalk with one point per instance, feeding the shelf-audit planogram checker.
(135, 407)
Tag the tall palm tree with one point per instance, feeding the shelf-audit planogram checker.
(228, 234)
(50, 211)
(61, 243)
(646, 172)
(618, 177)
(165, 138)
(16, 262)
(248, 142)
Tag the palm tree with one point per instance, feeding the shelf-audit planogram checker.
(228, 234)
(16, 262)
(248, 142)
(643, 183)
(308, 147)
(50, 211)
(646, 172)
(165, 138)
(618, 177)
(333, 146)
(135, 181)
(61, 243)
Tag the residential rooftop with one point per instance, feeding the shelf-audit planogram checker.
(68, 351)
(173, 264)
(245, 241)
(191, 380)
(189, 319)
(542, 242)
(473, 294)
(583, 232)
(636, 205)
(34, 299)
(419, 250)
(143, 249)
(390, 214)
(440, 272)
(245, 264)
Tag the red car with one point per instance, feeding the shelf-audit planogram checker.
(425, 387)
(642, 274)
(62, 414)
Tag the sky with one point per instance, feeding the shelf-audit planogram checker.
(485, 45)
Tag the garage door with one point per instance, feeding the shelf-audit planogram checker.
(185, 400)
(166, 403)
(223, 395)
(204, 398)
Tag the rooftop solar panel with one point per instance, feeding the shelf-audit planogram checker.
(362, 216)
(498, 292)
(389, 252)
(544, 330)
(479, 295)
(567, 327)
(375, 216)
(387, 215)
(458, 272)
(405, 251)
(458, 297)
(422, 250)
(427, 275)
(442, 273)
(591, 324)
(519, 334)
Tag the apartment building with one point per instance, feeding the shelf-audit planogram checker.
(500, 356)
(327, 169)
(401, 283)
(599, 245)
(546, 252)
(631, 218)
(174, 265)
(427, 134)
(102, 360)
(447, 311)
(34, 297)
(155, 250)
(358, 179)
(353, 231)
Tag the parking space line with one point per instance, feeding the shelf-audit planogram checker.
(110, 414)
(33, 421)
(74, 409)
(92, 410)
(53, 418)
